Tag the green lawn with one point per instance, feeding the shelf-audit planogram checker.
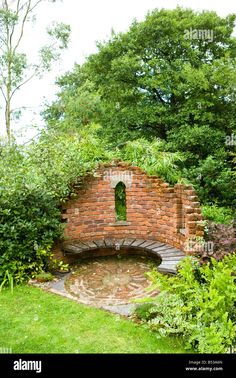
(34, 321)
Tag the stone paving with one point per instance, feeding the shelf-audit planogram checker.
(111, 281)
(117, 278)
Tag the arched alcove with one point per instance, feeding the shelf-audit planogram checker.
(120, 201)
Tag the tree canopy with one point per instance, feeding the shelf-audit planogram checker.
(160, 80)
(153, 81)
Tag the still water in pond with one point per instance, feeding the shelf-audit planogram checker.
(111, 281)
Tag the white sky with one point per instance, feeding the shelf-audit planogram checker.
(90, 21)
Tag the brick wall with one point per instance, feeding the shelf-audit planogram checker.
(154, 209)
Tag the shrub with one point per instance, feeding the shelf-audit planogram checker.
(34, 181)
(29, 223)
(213, 179)
(223, 238)
(152, 157)
(198, 304)
(166, 317)
(222, 215)
(142, 311)
(57, 266)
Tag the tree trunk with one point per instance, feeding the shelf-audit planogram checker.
(8, 120)
(8, 96)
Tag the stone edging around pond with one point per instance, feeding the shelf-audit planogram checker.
(169, 256)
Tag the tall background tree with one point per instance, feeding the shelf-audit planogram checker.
(160, 81)
(15, 69)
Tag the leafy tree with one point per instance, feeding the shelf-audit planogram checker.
(154, 82)
(81, 104)
(15, 70)
(214, 180)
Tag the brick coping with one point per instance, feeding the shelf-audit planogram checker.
(169, 255)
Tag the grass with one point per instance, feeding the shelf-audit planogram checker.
(34, 321)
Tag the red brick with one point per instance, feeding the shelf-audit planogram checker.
(154, 209)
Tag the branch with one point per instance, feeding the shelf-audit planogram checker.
(18, 6)
(28, 141)
(1, 39)
(7, 28)
(23, 83)
(1, 48)
(23, 107)
(159, 96)
(22, 6)
(35, 5)
(6, 4)
(13, 27)
(4, 96)
(27, 12)
(22, 27)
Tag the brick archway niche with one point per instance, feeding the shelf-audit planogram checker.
(160, 219)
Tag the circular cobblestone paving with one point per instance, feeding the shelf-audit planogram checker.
(111, 281)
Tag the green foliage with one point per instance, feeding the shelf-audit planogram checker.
(198, 140)
(234, 161)
(152, 157)
(153, 84)
(60, 160)
(7, 280)
(29, 222)
(142, 311)
(151, 80)
(214, 180)
(198, 303)
(34, 181)
(217, 214)
(76, 109)
(57, 265)
(167, 316)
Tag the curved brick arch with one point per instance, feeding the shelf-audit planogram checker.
(155, 210)
(168, 255)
